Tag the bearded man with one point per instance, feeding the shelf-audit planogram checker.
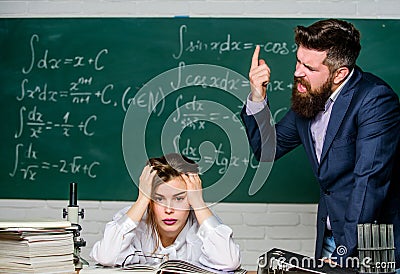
(349, 124)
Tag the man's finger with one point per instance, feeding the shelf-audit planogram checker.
(254, 59)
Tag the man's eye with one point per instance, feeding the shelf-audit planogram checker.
(311, 69)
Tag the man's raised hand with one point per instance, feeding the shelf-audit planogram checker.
(259, 76)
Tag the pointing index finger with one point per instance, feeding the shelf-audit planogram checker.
(254, 59)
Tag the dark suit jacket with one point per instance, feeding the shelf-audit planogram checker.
(358, 173)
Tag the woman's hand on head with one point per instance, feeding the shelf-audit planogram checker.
(195, 197)
(194, 190)
(145, 185)
(146, 182)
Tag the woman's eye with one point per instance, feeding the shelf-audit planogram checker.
(158, 199)
(179, 198)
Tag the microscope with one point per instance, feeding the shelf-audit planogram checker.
(72, 213)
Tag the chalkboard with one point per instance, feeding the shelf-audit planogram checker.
(88, 100)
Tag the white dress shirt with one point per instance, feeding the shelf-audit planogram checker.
(210, 244)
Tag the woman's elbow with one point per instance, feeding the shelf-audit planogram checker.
(233, 262)
(229, 262)
(101, 256)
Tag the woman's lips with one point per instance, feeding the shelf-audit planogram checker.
(170, 221)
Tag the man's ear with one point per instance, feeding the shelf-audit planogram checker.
(340, 74)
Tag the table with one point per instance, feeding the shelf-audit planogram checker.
(106, 270)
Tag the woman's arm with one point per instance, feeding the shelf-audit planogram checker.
(195, 197)
(145, 183)
(218, 248)
(119, 234)
(117, 241)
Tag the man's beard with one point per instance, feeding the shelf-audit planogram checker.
(309, 103)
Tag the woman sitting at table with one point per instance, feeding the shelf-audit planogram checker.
(168, 220)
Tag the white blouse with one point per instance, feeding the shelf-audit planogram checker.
(210, 244)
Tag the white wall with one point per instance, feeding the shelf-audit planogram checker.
(202, 8)
(257, 227)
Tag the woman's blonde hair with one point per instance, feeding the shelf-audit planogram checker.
(167, 167)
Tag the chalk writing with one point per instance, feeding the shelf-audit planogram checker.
(84, 89)
(37, 124)
(28, 170)
(194, 115)
(218, 157)
(226, 83)
(228, 44)
(80, 93)
(54, 63)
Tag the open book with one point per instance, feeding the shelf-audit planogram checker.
(177, 266)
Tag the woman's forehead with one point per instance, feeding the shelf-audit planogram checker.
(174, 186)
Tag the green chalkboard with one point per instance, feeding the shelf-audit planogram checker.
(88, 100)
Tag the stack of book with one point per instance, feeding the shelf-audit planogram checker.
(36, 247)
